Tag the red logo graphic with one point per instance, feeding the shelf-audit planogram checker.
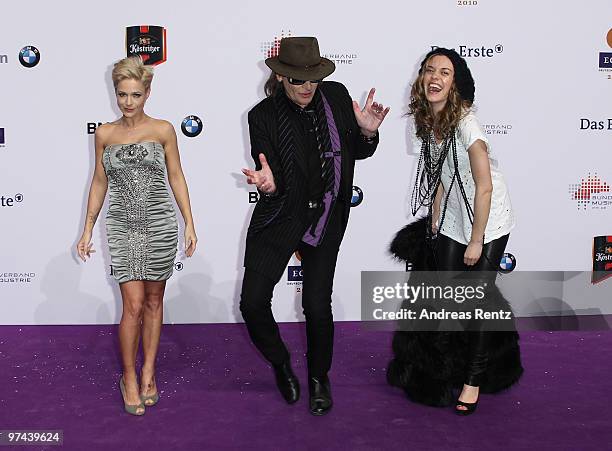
(270, 48)
(583, 192)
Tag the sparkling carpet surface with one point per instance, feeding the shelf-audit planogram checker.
(218, 393)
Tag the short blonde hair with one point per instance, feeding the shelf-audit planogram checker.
(132, 68)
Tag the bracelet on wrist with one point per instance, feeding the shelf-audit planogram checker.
(369, 139)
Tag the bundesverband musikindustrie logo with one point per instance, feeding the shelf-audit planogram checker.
(497, 129)
(148, 41)
(269, 49)
(592, 192)
(602, 258)
(17, 277)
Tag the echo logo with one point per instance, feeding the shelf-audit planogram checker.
(295, 274)
(6, 201)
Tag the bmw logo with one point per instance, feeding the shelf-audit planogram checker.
(191, 126)
(357, 196)
(507, 263)
(29, 56)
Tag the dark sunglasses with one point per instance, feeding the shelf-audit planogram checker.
(295, 81)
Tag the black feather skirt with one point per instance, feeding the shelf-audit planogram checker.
(431, 366)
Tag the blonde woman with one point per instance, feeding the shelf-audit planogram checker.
(133, 155)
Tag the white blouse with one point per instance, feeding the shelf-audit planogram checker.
(456, 223)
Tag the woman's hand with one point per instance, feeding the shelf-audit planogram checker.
(262, 179)
(435, 217)
(84, 246)
(472, 253)
(190, 241)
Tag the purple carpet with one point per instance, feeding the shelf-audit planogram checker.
(218, 393)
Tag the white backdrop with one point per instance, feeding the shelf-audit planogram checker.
(541, 80)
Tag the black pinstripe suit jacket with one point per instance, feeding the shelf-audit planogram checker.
(278, 223)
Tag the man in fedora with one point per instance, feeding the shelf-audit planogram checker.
(305, 138)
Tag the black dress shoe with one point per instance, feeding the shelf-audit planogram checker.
(320, 395)
(287, 382)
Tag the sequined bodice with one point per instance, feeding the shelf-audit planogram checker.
(138, 203)
(139, 161)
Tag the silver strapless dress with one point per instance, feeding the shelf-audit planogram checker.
(141, 223)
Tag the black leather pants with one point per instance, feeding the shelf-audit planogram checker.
(449, 257)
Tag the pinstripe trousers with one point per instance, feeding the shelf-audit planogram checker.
(318, 268)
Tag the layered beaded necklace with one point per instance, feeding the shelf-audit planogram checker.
(428, 178)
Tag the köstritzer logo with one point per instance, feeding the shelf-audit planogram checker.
(29, 56)
(591, 192)
(148, 41)
(602, 258)
(507, 263)
(270, 48)
(357, 196)
(191, 126)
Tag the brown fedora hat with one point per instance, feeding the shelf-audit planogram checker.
(299, 58)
